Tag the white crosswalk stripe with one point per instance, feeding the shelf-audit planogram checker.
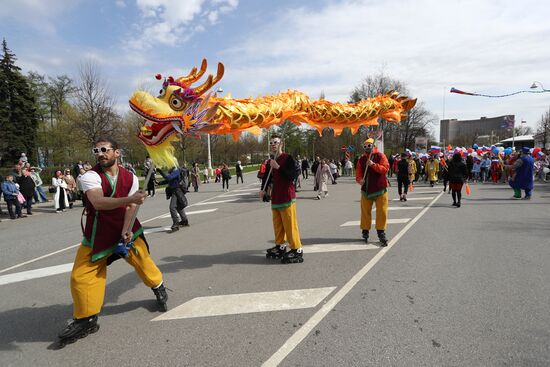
(215, 202)
(409, 198)
(235, 304)
(237, 194)
(390, 221)
(193, 212)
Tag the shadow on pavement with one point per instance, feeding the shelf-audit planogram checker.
(42, 324)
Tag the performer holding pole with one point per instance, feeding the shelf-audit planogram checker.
(283, 172)
(371, 172)
(111, 199)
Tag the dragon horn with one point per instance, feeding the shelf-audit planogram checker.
(210, 81)
(193, 76)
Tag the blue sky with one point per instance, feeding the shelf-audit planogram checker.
(485, 46)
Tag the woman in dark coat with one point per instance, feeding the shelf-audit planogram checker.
(26, 188)
(458, 173)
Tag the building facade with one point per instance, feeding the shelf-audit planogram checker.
(463, 132)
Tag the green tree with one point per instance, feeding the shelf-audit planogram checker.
(18, 121)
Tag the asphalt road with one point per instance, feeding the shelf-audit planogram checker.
(456, 287)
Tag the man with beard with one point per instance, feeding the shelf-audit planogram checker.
(111, 198)
(281, 169)
(371, 172)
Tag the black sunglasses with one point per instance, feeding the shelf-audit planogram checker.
(101, 150)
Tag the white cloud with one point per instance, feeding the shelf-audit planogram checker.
(120, 4)
(492, 47)
(172, 22)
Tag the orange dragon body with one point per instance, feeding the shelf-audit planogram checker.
(182, 109)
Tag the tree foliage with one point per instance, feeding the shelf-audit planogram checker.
(18, 115)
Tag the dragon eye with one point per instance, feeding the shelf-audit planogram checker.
(162, 93)
(176, 103)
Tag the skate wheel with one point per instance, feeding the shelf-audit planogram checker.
(267, 256)
(94, 329)
(301, 260)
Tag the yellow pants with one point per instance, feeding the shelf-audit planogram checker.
(285, 226)
(88, 279)
(381, 212)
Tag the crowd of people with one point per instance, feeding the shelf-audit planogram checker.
(24, 187)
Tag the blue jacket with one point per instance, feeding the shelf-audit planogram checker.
(10, 190)
(172, 179)
(524, 174)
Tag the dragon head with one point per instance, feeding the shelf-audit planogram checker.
(179, 108)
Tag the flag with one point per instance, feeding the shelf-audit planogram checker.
(508, 122)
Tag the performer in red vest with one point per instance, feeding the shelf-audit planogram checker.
(111, 197)
(374, 189)
(282, 171)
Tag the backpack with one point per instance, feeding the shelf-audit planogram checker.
(184, 179)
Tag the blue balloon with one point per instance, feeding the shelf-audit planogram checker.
(508, 151)
(475, 146)
(494, 151)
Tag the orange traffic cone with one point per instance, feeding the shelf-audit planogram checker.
(468, 191)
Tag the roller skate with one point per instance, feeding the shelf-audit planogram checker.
(275, 252)
(365, 235)
(78, 329)
(382, 238)
(293, 256)
(162, 297)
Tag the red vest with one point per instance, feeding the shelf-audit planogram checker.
(375, 183)
(283, 193)
(104, 227)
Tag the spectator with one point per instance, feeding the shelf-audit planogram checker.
(23, 159)
(305, 168)
(322, 176)
(333, 171)
(206, 175)
(60, 199)
(17, 171)
(218, 175)
(195, 176)
(80, 191)
(226, 176)
(10, 191)
(26, 188)
(71, 187)
(239, 172)
(39, 192)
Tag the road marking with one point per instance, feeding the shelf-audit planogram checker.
(38, 258)
(156, 230)
(236, 304)
(427, 192)
(37, 273)
(337, 247)
(215, 202)
(193, 212)
(306, 329)
(389, 221)
(403, 208)
(238, 194)
(419, 198)
(244, 190)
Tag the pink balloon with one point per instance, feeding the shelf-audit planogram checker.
(470, 150)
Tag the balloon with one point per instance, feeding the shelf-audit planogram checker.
(508, 151)
(494, 150)
(475, 146)
(536, 151)
(480, 151)
(501, 149)
(470, 150)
